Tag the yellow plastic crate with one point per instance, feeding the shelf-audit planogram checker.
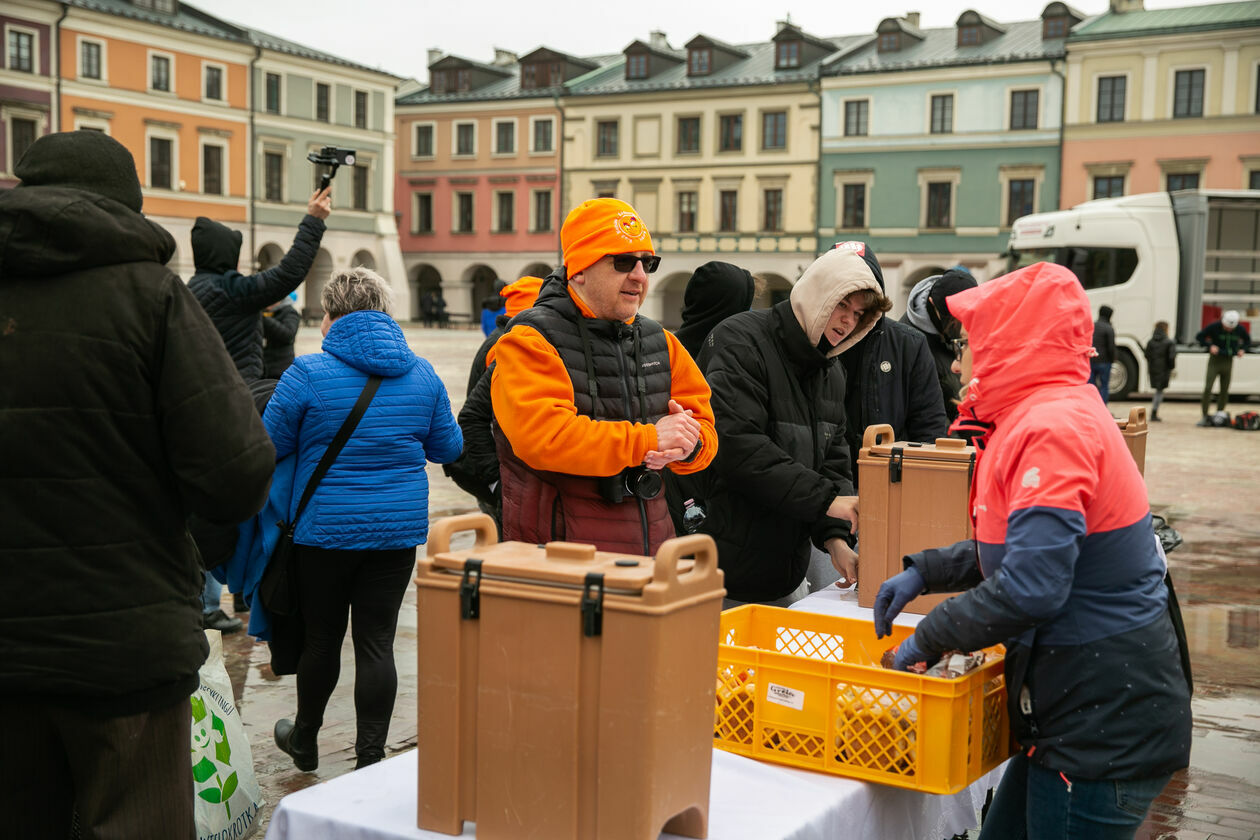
(807, 690)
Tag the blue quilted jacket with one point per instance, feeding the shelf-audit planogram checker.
(376, 495)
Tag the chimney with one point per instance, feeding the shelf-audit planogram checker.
(435, 55)
(504, 58)
(1121, 6)
(912, 18)
(657, 40)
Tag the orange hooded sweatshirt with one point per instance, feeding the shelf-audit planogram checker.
(533, 404)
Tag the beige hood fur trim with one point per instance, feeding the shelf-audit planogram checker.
(830, 279)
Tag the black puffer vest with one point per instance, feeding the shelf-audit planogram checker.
(619, 371)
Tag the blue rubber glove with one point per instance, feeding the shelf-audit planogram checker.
(908, 654)
(893, 596)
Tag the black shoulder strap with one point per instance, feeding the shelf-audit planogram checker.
(334, 448)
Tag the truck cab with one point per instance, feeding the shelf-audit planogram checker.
(1179, 257)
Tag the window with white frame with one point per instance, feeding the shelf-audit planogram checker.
(728, 210)
(1188, 93)
(214, 82)
(422, 212)
(161, 71)
(853, 190)
(360, 109)
(272, 93)
(504, 211)
(1021, 191)
(540, 211)
(855, 117)
(1111, 96)
(359, 183)
(465, 139)
(772, 209)
(273, 175)
(463, 213)
(213, 167)
(424, 136)
(542, 135)
(938, 196)
(606, 138)
(688, 205)
(1025, 106)
(92, 59)
(774, 130)
(23, 127)
(505, 137)
(323, 109)
(942, 107)
(21, 48)
(162, 158)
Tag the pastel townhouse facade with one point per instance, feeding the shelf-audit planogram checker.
(934, 140)
(716, 146)
(478, 174)
(1162, 100)
(27, 56)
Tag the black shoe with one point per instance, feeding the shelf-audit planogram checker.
(1155, 418)
(221, 621)
(367, 760)
(239, 606)
(300, 742)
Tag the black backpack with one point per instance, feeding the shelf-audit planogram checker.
(1248, 421)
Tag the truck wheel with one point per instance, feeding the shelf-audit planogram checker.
(1124, 374)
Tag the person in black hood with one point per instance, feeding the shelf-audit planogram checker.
(715, 292)
(122, 414)
(235, 301)
(926, 311)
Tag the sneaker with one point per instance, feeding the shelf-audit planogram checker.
(221, 621)
(1204, 421)
(239, 606)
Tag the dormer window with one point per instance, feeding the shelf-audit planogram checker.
(890, 42)
(450, 81)
(787, 55)
(637, 66)
(1055, 27)
(699, 61)
(968, 36)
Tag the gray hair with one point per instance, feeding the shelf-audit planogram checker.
(355, 289)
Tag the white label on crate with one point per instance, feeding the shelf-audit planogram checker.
(785, 696)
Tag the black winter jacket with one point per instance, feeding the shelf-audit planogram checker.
(783, 457)
(1229, 341)
(1161, 359)
(1104, 342)
(235, 301)
(120, 414)
(942, 354)
(892, 379)
(280, 327)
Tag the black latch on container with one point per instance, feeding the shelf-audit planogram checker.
(894, 465)
(593, 605)
(470, 589)
(971, 468)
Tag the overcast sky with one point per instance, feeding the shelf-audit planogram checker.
(395, 36)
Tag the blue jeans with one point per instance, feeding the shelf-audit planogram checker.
(1035, 803)
(211, 595)
(1100, 377)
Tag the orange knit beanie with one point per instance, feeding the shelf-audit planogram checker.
(521, 295)
(598, 227)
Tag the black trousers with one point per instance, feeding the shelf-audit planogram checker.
(368, 587)
(124, 777)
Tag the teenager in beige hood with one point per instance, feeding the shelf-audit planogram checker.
(823, 308)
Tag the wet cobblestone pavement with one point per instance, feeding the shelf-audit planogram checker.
(1206, 482)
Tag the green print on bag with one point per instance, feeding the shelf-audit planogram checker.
(210, 736)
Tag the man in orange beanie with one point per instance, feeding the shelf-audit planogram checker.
(591, 400)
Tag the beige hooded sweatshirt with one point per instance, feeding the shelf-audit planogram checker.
(830, 279)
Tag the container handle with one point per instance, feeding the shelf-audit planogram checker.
(1137, 418)
(875, 434)
(665, 571)
(442, 530)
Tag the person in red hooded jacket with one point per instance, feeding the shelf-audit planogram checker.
(1064, 569)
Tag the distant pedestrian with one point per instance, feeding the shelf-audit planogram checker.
(426, 308)
(1104, 353)
(440, 315)
(122, 413)
(1161, 359)
(280, 328)
(492, 308)
(1224, 339)
(356, 542)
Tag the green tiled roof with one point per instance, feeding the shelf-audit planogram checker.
(1021, 41)
(1169, 21)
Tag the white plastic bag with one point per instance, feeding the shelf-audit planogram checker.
(226, 795)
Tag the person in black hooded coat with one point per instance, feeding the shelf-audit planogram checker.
(235, 301)
(927, 312)
(891, 378)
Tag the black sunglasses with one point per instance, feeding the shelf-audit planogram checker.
(959, 345)
(626, 262)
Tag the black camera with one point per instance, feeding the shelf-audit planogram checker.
(332, 157)
(636, 482)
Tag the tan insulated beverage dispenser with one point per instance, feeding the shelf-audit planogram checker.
(565, 692)
(911, 496)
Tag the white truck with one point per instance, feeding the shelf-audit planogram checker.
(1181, 257)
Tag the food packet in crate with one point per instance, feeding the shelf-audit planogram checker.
(952, 664)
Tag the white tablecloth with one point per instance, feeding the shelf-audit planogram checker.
(749, 800)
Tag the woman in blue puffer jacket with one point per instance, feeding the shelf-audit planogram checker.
(356, 540)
